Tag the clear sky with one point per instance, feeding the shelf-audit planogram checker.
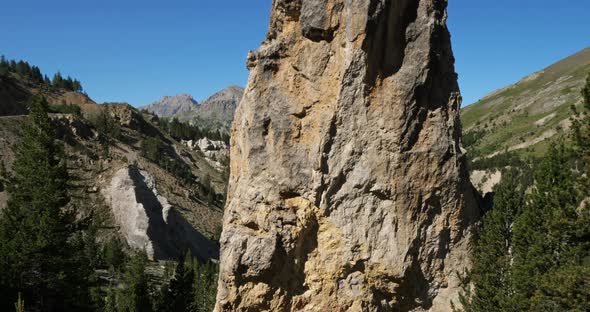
(137, 51)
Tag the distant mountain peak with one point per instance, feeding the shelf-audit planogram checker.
(232, 92)
(217, 111)
(168, 106)
(182, 96)
(214, 113)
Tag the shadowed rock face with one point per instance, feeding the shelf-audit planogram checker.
(348, 189)
(148, 222)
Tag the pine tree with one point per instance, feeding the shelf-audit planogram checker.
(179, 296)
(135, 296)
(110, 304)
(36, 75)
(581, 136)
(38, 253)
(207, 189)
(211, 291)
(204, 286)
(199, 288)
(4, 66)
(58, 81)
(4, 177)
(77, 86)
(23, 69)
(551, 237)
(107, 127)
(152, 148)
(542, 262)
(566, 285)
(159, 302)
(112, 254)
(490, 276)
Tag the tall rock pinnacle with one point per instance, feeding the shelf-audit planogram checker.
(348, 188)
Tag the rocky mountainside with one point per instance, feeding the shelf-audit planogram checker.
(169, 106)
(217, 111)
(348, 188)
(150, 190)
(528, 116)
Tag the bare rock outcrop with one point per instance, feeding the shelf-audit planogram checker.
(348, 187)
(216, 152)
(147, 220)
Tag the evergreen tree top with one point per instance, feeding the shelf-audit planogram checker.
(33, 73)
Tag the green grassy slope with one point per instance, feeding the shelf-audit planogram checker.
(527, 116)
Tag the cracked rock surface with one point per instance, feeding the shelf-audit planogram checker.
(348, 187)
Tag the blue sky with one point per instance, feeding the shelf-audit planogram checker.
(138, 51)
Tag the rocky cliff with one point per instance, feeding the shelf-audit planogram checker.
(348, 189)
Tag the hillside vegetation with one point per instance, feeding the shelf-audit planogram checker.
(528, 116)
(532, 249)
(213, 115)
(529, 146)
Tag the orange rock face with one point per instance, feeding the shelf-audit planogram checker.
(348, 188)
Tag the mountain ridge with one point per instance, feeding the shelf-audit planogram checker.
(214, 113)
(168, 106)
(217, 111)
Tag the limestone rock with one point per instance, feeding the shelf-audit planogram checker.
(485, 180)
(148, 222)
(215, 152)
(205, 144)
(348, 187)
